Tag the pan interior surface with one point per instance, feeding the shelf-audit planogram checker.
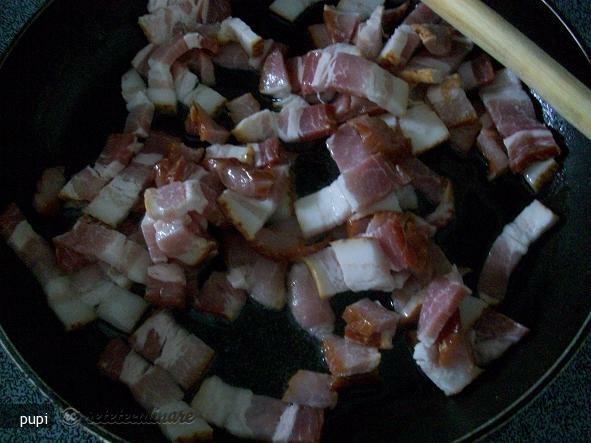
(61, 98)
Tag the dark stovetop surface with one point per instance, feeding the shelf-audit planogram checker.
(561, 413)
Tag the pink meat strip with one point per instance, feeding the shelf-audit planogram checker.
(512, 112)
(117, 153)
(220, 298)
(341, 25)
(99, 242)
(274, 79)
(232, 56)
(477, 72)
(310, 311)
(369, 35)
(200, 63)
(347, 107)
(319, 35)
(346, 358)
(298, 124)
(242, 107)
(451, 104)
(443, 296)
(312, 389)
(490, 145)
(166, 286)
(268, 153)
(369, 323)
(493, 334)
(509, 247)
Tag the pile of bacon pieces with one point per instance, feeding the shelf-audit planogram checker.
(151, 206)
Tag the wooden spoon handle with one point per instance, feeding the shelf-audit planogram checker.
(567, 95)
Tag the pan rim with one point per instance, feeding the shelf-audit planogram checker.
(479, 433)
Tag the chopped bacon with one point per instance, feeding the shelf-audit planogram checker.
(117, 153)
(160, 25)
(443, 296)
(175, 200)
(492, 334)
(404, 244)
(213, 11)
(166, 286)
(177, 239)
(178, 165)
(347, 107)
(301, 424)
(512, 112)
(112, 358)
(371, 324)
(509, 247)
(312, 389)
(345, 358)
(268, 153)
(97, 241)
(399, 48)
(232, 56)
(436, 38)
(463, 138)
(201, 124)
(245, 180)
(234, 29)
(341, 25)
(297, 124)
(369, 35)
(490, 145)
(351, 74)
(361, 7)
(451, 103)
(242, 107)
(140, 61)
(290, 10)
(220, 298)
(310, 311)
(45, 200)
(393, 16)
(424, 179)
(274, 78)
(319, 35)
(141, 113)
(69, 260)
(200, 63)
(477, 72)
(421, 14)
(326, 272)
(161, 340)
(256, 127)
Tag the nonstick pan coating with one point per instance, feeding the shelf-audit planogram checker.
(59, 91)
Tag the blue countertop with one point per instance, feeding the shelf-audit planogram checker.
(561, 413)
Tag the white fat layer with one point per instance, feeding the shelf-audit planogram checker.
(181, 422)
(238, 277)
(539, 173)
(215, 400)
(235, 29)
(327, 273)
(364, 265)
(236, 422)
(257, 127)
(134, 367)
(285, 426)
(322, 210)
(407, 197)
(122, 309)
(424, 128)
(392, 50)
(291, 9)
(167, 273)
(247, 214)
(470, 310)
(21, 235)
(72, 312)
(292, 132)
(207, 98)
(115, 200)
(244, 154)
(198, 249)
(389, 203)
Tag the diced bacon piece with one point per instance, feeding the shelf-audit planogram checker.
(319, 35)
(451, 103)
(539, 173)
(312, 389)
(220, 298)
(265, 280)
(188, 426)
(299, 424)
(345, 358)
(242, 107)
(290, 10)
(131, 84)
(69, 260)
(442, 299)
(529, 146)
(247, 214)
(141, 113)
(213, 11)
(184, 81)
(297, 124)
(150, 337)
(117, 153)
(155, 388)
(490, 145)
(347, 107)
(369, 35)
(399, 48)
(200, 123)
(234, 29)
(180, 164)
(436, 38)
(160, 25)
(408, 300)
(268, 153)
(470, 310)
(463, 138)
(257, 127)
(452, 373)
(422, 126)
(108, 245)
(362, 7)
(215, 400)
(243, 154)
(175, 200)
(323, 210)
(295, 69)
(364, 265)
(509, 247)
(246, 180)
(371, 181)
(134, 367)
(45, 200)
(432, 185)
(477, 72)
(326, 272)
(492, 334)
(207, 98)
(310, 311)
(149, 233)
(112, 358)
(177, 240)
(140, 61)
(166, 286)
(185, 357)
(201, 64)
(341, 25)
(402, 241)
(371, 324)
(355, 75)
(232, 56)
(274, 78)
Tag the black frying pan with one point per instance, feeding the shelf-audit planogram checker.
(59, 96)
